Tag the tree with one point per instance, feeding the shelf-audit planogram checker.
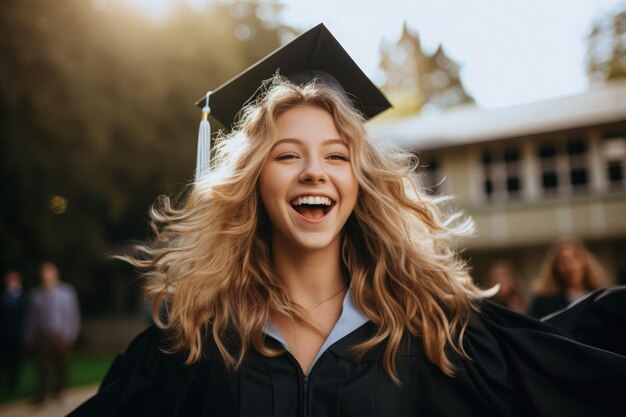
(97, 119)
(606, 48)
(414, 79)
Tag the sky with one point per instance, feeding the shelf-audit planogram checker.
(511, 52)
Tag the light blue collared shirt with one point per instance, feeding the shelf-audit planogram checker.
(350, 320)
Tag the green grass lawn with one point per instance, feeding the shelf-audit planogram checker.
(83, 369)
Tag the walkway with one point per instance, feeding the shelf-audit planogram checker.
(72, 399)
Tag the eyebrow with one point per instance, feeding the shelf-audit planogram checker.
(300, 141)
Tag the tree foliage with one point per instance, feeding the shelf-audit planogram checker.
(414, 79)
(97, 119)
(606, 51)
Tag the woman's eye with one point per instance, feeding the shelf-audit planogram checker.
(285, 156)
(339, 157)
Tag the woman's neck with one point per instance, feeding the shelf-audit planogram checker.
(310, 276)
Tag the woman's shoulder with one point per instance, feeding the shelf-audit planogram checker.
(144, 379)
(594, 320)
(597, 319)
(543, 363)
(151, 338)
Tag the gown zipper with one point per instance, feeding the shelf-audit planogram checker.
(306, 380)
(305, 400)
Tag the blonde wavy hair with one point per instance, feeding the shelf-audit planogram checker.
(551, 282)
(210, 260)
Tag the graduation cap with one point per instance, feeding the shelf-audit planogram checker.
(315, 54)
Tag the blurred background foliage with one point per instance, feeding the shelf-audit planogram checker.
(97, 118)
(606, 48)
(416, 81)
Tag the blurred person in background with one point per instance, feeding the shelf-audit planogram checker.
(569, 272)
(52, 325)
(510, 293)
(12, 313)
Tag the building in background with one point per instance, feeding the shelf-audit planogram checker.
(529, 174)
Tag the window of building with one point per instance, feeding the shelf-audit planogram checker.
(502, 173)
(578, 162)
(613, 153)
(564, 166)
(549, 175)
(616, 172)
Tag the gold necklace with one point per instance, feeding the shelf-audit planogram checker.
(314, 306)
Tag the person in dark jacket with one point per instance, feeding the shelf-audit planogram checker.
(306, 273)
(12, 313)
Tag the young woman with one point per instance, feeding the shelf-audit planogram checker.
(308, 275)
(569, 272)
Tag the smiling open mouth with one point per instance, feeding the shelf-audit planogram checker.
(312, 207)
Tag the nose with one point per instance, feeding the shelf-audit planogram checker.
(313, 171)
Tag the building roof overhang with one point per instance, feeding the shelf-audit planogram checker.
(600, 105)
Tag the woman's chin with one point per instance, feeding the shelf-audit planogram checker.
(315, 242)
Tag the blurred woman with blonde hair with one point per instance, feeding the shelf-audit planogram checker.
(569, 271)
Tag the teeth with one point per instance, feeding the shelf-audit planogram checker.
(316, 200)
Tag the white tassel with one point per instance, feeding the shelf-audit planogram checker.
(203, 157)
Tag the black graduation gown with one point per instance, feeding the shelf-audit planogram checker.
(542, 306)
(519, 367)
(599, 319)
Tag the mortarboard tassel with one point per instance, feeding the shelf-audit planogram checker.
(203, 159)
